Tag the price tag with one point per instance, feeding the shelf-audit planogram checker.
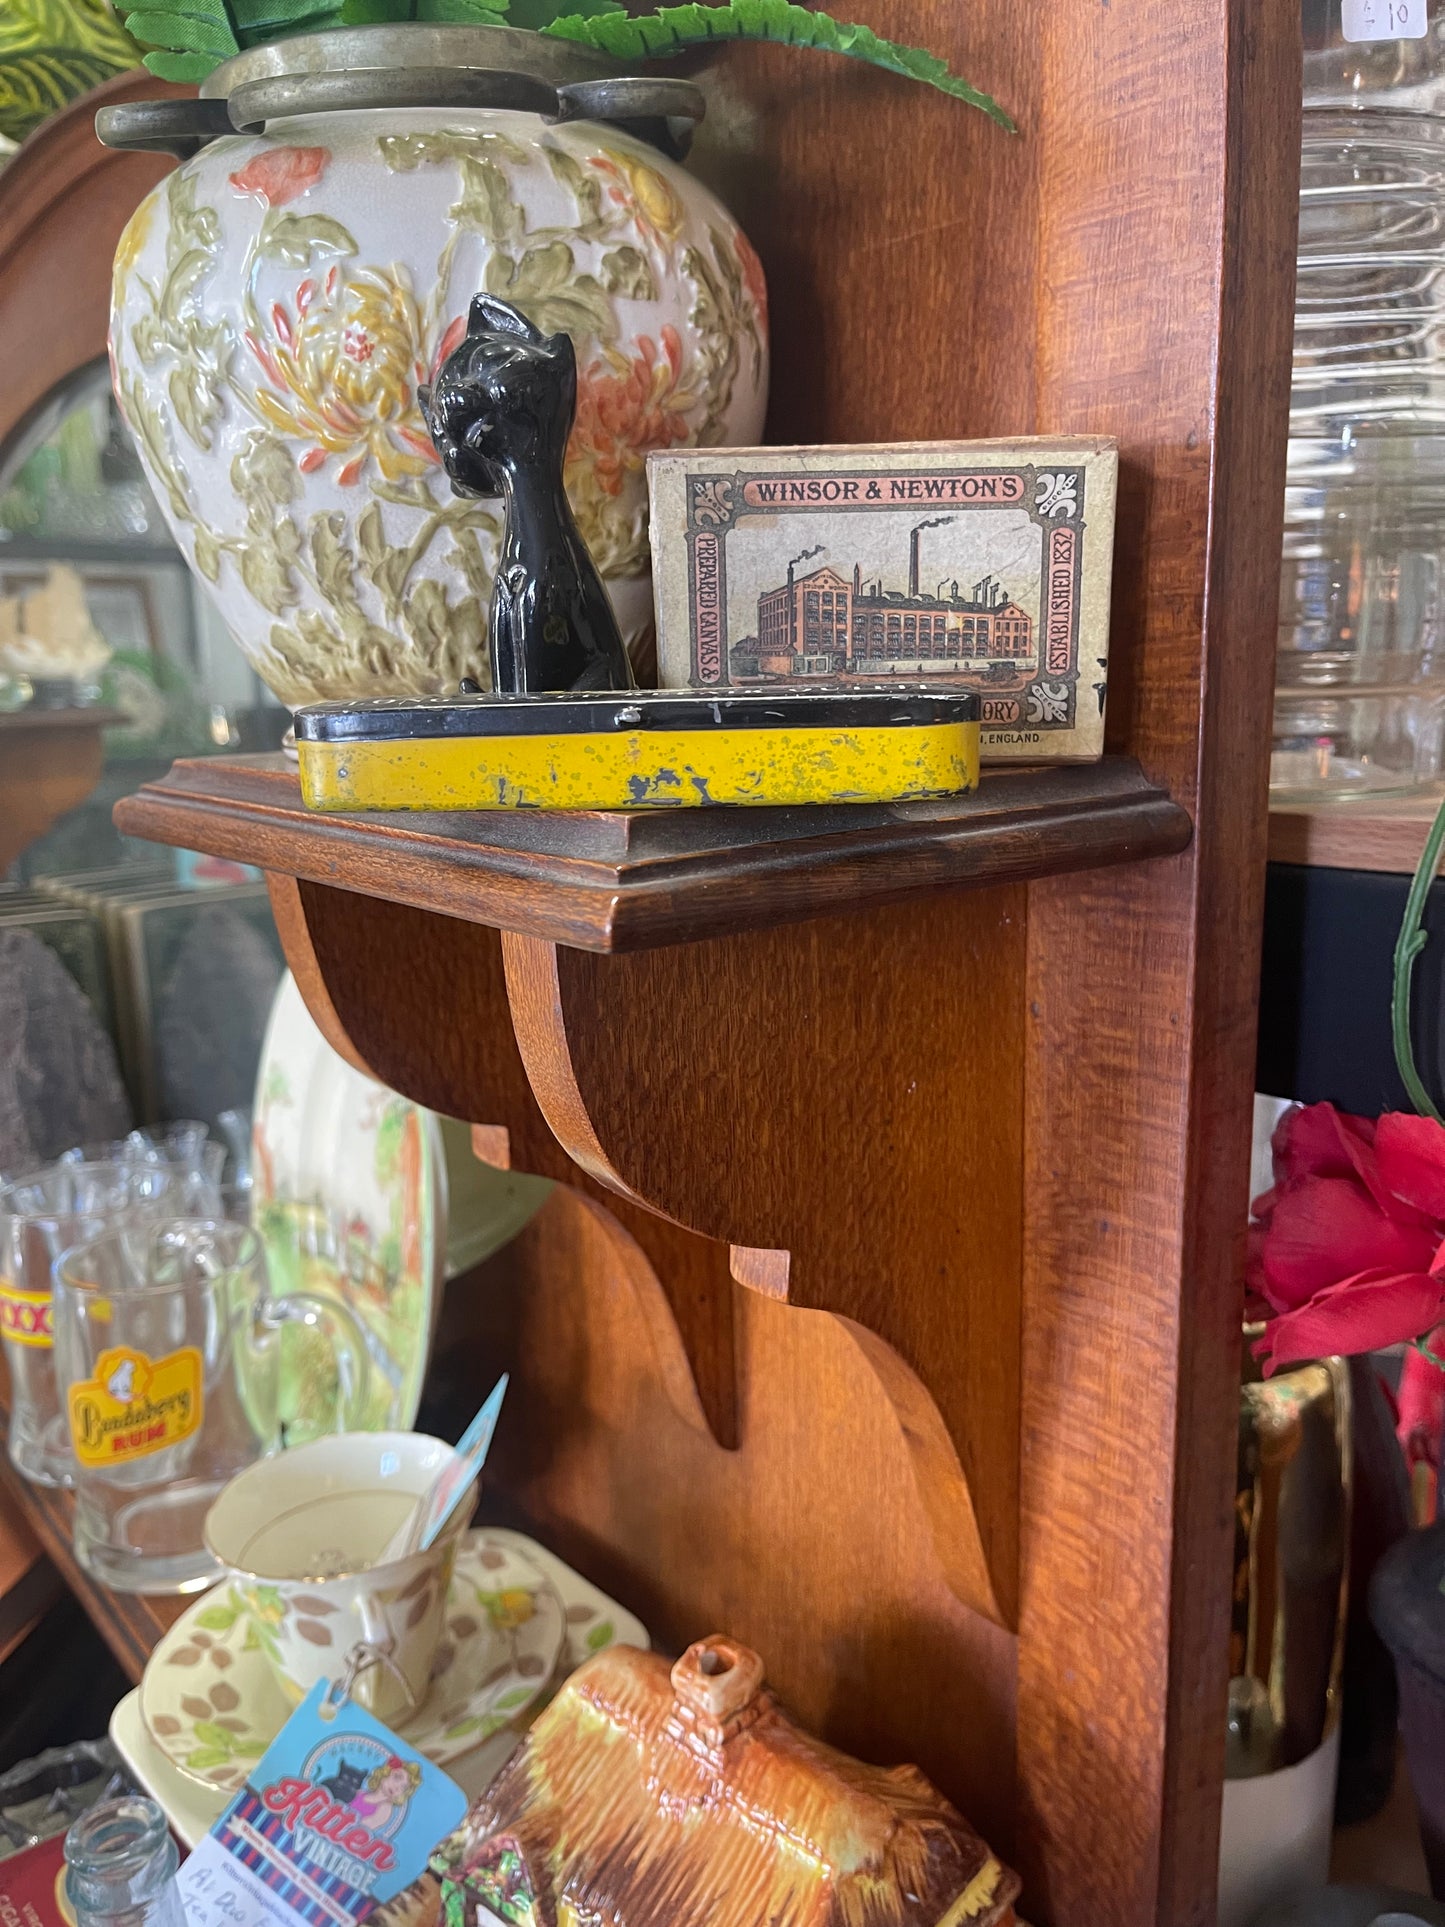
(338, 1818)
(1384, 19)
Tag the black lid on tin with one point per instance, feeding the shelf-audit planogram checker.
(574, 712)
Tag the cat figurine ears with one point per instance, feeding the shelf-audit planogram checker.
(488, 315)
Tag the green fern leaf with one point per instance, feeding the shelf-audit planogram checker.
(36, 84)
(537, 14)
(85, 25)
(255, 20)
(472, 13)
(185, 39)
(188, 69)
(671, 29)
(183, 33)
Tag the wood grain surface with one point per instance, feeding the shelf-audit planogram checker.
(866, 1063)
(63, 202)
(1386, 834)
(420, 1002)
(1164, 317)
(1081, 1038)
(624, 880)
(129, 1623)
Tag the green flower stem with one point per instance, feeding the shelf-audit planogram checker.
(1408, 945)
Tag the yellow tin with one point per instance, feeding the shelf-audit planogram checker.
(638, 750)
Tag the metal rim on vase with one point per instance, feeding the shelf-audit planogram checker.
(411, 66)
(392, 49)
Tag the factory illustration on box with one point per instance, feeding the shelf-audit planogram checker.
(826, 623)
(982, 567)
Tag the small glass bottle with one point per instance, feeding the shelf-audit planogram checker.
(121, 1866)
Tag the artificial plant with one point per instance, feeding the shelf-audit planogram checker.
(50, 52)
(1347, 1247)
(187, 38)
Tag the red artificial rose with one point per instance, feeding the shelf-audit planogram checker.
(278, 174)
(1420, 1409)
(1346, 1248)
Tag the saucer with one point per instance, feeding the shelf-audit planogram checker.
(212, 1704)
(593, 1621)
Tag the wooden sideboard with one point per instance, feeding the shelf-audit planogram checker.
(888, 1314)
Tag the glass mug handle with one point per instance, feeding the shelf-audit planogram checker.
(344, 1336)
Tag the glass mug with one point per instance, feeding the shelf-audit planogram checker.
(167, 1349)
(184, 1148)
(41, 1215)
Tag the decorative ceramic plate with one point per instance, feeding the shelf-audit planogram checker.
(212, 1704)
(592, 1622)
(350, 1198)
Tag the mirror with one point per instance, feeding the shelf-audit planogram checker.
(112, 665)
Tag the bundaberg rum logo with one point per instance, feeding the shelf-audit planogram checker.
(135, 1405)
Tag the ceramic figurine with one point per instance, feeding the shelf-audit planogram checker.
(649, 1797)
(500, 413)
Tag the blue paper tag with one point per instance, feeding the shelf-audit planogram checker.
(339, 1816)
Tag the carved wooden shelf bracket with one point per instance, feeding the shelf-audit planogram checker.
(780, 1090)
(625, 1074)
(827, 1110)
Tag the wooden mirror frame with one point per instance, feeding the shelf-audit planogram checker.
(63, 202)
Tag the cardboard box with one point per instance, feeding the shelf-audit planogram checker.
(981, 565)
(32, 1887)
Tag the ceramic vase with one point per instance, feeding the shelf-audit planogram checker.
(1292, 1510)
(279, 298)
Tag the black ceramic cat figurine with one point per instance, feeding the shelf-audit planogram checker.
(500, 412)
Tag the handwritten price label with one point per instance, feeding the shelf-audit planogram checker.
(1384, 19)
(215, 1895)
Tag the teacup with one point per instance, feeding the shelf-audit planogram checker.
(303, 1533)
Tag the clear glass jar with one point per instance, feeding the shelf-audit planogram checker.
(1397, 65)
(1355, 741)
(1362, 576)
(1360, 667)
(121, 1866)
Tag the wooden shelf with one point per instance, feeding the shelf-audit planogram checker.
(1355, 833)
(886, 1313)
(129, 1623)
(613, 881)
(50, 760)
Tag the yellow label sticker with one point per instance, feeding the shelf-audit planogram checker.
(24, 1315)
(135, 1405)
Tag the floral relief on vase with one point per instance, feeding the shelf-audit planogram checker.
(278, 304)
